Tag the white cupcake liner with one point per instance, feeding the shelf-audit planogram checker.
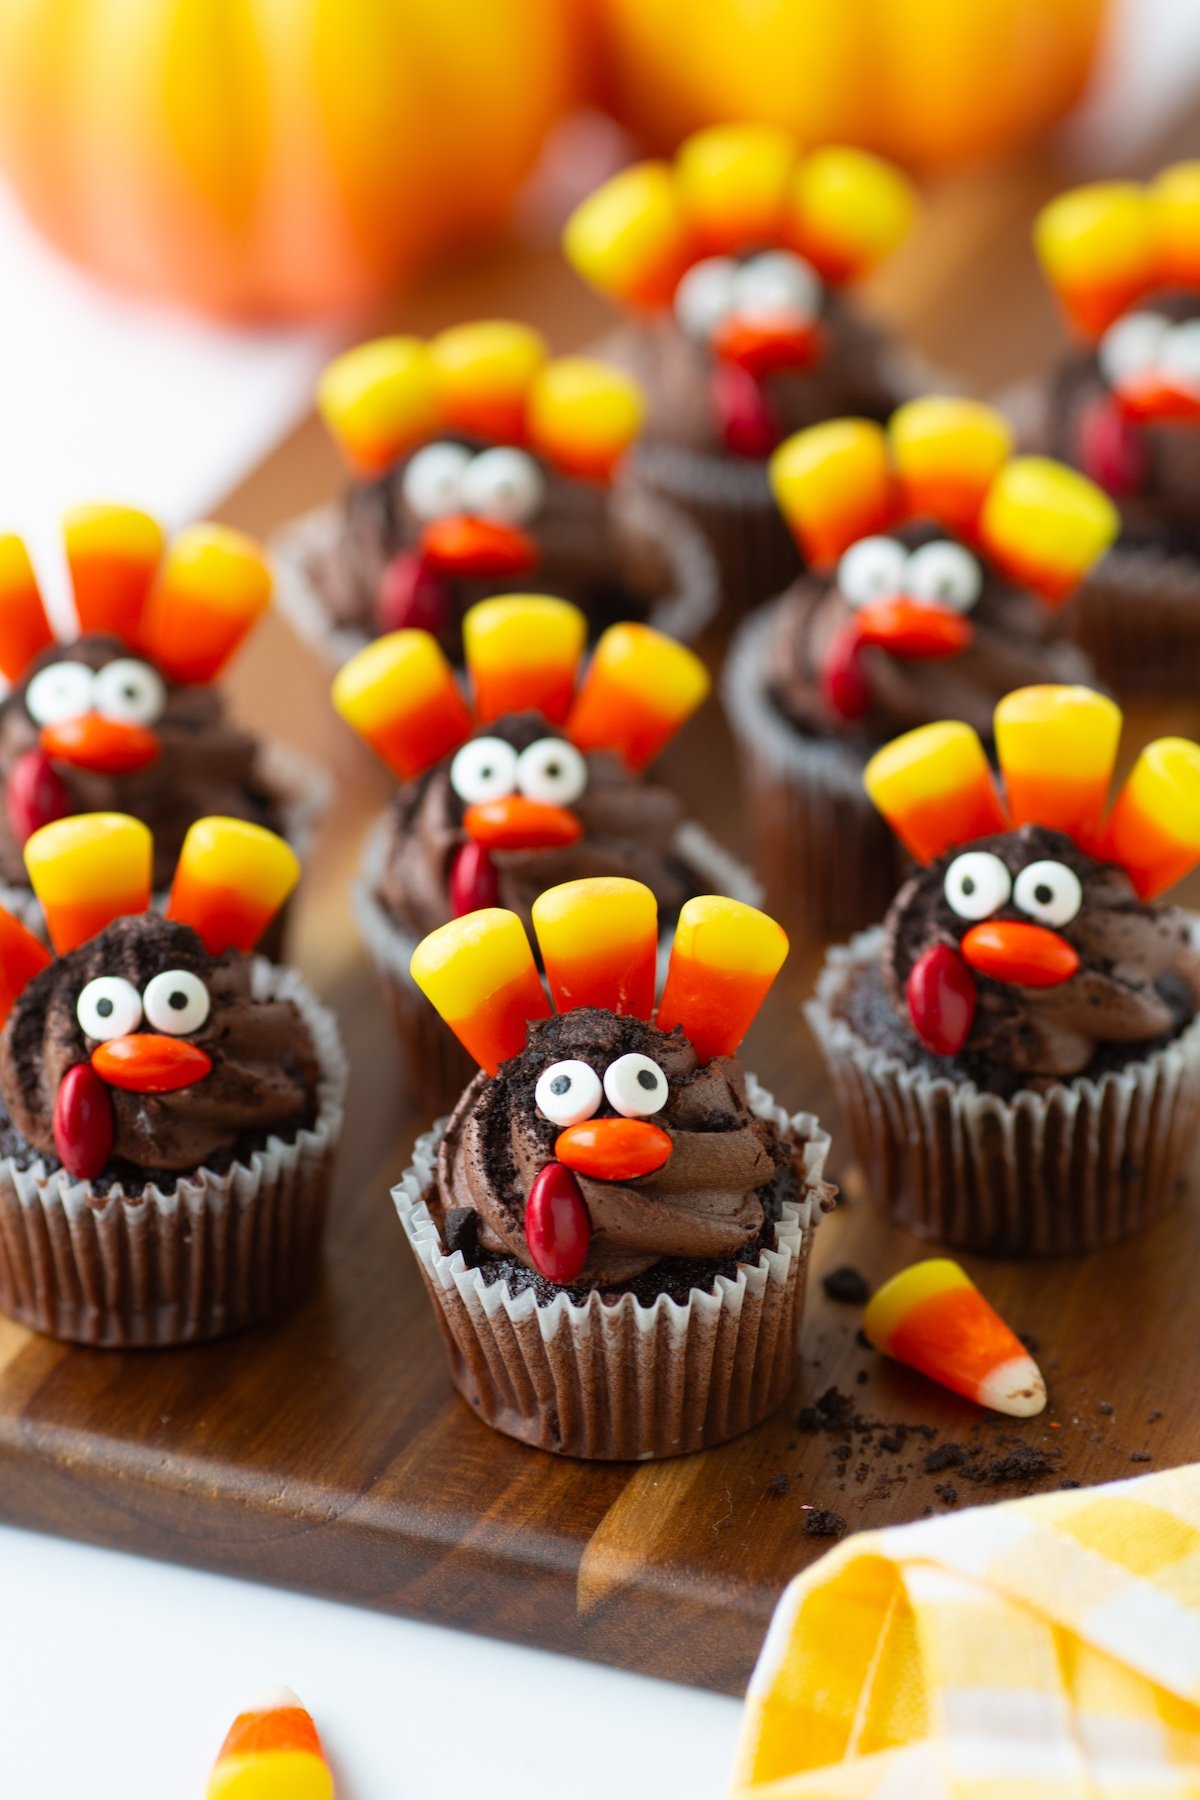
(626, 1380)
(1083, 1163)
(221, 1252)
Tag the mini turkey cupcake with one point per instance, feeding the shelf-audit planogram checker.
(1124, 406)
(169, 1105)
(126, 717)
(614, 1223)
(939, 563)
(732, 263)
(1017, 1051)
(538, 780)
(476, 462)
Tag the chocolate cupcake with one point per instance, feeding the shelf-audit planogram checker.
(1017, 1051)
(477, 463)
(1124, 407)
(614, 1224)
(732, 262)
(536, 782)
(169, 1106)
(942, 563)
(126, 717)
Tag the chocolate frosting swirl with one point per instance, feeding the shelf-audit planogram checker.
(264, 1074)
(206, 766)
(704, 1204)
(1138, 980)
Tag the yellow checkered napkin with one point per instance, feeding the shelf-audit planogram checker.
(1047, 1649)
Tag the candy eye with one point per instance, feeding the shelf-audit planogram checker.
(130, 691)
(774, 283)
(63, 690)
(1132, 346)
(109, 1007)
(635, 1086)
(873, 569)
(1180, 358)
(176, 1002)
(977, 883)
(484, 769)
(945, 574)
(568, 1092)
(432, 485)
(705, 296)
(1049, 891)
(505, 485)
(552, 771)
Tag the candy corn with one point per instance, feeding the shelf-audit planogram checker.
(640, 688)
(732, 181)
(1057, 747)
(87, 871)
(934, 788)
(723, 961)
(933, 1317)
(1045, 525)
(378, 400)
(1096, 246)
(833, 485)
(113, 553)
(483, 373)
(22, 956)
(231, 879)
(214, 585)
(1175, 216)
(272, 1752)
(599, 944)
(630, 239)
(24, 628)
(522, 652)
(399, 693)
(946, 452)
(479, 974)
(583, 416)
(849, 210)
(1154, 829)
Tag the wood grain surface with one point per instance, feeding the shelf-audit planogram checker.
(331, 1452)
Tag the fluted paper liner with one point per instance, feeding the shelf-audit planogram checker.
(222, 1251)
(1083, 1163)
(1137, 616)
(626, 1381)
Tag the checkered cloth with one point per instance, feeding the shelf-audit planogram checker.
(1047, 1649)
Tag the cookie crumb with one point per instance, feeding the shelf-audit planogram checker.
(946, 1456)
(821, 1522)
(779, 1484)
(1105, 1407)
(1140, 1456)
(847, 1284)
(1069, 1481)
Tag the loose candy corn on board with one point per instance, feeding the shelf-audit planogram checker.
(332, 1453)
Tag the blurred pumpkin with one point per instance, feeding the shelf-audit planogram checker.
(274, 157)
(928, 82)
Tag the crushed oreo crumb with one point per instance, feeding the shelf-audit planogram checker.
(821, 1522)
(779, 1484)
(847, 1284)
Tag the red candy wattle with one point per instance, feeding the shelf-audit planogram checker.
(843, 684)
(412, 596)
(941, 1000)
(557, 1228)
(35, 796)
(1112, 449)
(744, 414)
(473, 881)
(83, 1122)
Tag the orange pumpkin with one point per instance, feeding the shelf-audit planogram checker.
(273, 157)
(927, 82)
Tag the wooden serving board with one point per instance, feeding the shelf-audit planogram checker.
(331, 1452)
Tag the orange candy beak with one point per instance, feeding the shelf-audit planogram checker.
(145, 1063)
(107, 746)
(764, 347)
(515, 823)
(911, 629)
(1156, 402)
(614, 1149)
(1026, 955)
(463, 545)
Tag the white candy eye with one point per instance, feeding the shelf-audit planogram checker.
(1049, 891)
(130, 691)
(568, 1092)
(62, 690)
(109, 1007)
(1132, 347)
(176, 1002)
(705, 296)
(432, 484)
(945, 574)
(873, 569)
(505, 485)
(484, 769)
(977, 883)
(551, 771)
(635, 1086)
(774, 283)
(1180, 359)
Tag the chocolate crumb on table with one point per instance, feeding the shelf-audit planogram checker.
(779, 1484)
(847, 1284)
(821, 1522)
